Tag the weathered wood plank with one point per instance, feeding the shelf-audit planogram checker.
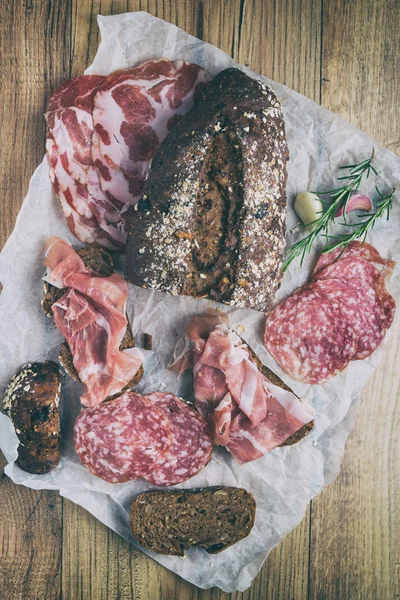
(355, 546)
(30, 542)
(34, 50)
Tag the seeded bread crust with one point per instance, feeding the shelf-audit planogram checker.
(170, 522)
(32, 402)
(212, 219)
(98, 260)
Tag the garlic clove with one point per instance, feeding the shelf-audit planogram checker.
(357, 201)
(309, 208)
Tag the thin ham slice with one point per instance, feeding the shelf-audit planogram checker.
(91, 316)
(246, 412)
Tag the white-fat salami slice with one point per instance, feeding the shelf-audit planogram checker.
(361, 306)
(191, 441)
(356, 250)
(309, 336)
(356, 268)
(122, 439)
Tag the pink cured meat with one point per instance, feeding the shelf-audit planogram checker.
(309, 337)
(362, 309)
(134, 109)
(191, 446)
(90, 215)
(350, 268)
(91, 316)
(123, 439)
(247, 413)
(356, 249)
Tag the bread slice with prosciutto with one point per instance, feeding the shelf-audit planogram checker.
(249, 409)
(88, 302)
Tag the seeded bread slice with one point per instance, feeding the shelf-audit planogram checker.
(98, 260)
(273, 378)
(32, 401)
(170, 522)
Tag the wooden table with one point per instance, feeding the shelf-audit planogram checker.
(343, 54)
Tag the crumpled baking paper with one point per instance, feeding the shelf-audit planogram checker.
(284, 481)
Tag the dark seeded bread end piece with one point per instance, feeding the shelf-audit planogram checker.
(170, 522)
(273, 378)
(32, 401)
(98, 260)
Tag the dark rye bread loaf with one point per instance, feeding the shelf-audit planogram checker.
(273, 378)
(212, 219)
(101, 262)
(170, 522)
(32, 402)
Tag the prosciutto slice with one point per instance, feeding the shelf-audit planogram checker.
(247, 413)
(90, 215)
(91, 316)
(134, 109)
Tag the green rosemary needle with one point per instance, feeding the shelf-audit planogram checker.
(338, 199)
(383, 205)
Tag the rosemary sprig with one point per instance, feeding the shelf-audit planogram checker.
(362, 227)
(338, 198)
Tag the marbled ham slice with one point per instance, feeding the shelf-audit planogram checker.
(91, 315)
(134, 110)
(90, 215)
(247, 413)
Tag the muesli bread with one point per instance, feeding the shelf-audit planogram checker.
(170, 522)
(98, 260)
(32, 401)
(212, 219)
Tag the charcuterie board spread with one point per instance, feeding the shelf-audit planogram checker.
(208, 298)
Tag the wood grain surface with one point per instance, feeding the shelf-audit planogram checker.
(341, 53)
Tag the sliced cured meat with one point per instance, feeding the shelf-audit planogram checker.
(247, 413)
(91, 316)
(90, 215)
(123, 439)
(351, 268)
(191, 446)
(362, 309)
(309, 337)
(134, 109)
(356, 249)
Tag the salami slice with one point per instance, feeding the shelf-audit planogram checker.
(361, 306)
(356, 250)
(123, 439)
(357, 268)
(191, 441)
(309, 336)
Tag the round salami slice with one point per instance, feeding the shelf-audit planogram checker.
(362, 308)
(357, 268)
(309, 336)
(191, 441)
(123, 439)
(356, 249)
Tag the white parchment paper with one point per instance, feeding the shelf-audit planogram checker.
(284, 481)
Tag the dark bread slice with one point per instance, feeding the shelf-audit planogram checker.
(212, 219)
(273, 378)
(32, 402)
(170, 522)
(98, 260)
